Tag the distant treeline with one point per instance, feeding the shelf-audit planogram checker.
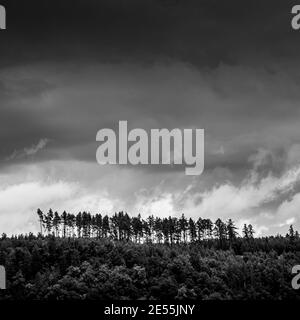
(122, 227)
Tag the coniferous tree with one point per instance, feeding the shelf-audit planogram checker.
(291, 232)
(41, 219)
(64, 223)
(200, 228)
(137, 228)
(158, 229)
(231, 231)
(127, 227)
(165, 230)
(251, 231)
(220, 231)
(184, 226)
(71, 222)
(79, 224)
(192, 230)
(49, 221)
(99, 225)
(245, 231)
(56, 223)
(208, 228)
(122, 227)
(151, 221)
(105, 226)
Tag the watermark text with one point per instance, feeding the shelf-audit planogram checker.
(2, 17)
(2, 278)
(165, 147)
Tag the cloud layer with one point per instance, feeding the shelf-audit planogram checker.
(68, 70)
(270, 202)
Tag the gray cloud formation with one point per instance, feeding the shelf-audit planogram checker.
(69, 69)
(28, 151)
(242, 109)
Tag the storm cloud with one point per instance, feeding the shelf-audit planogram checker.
(68, 69)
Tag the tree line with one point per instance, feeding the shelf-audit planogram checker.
(121, 226)
(99, 257)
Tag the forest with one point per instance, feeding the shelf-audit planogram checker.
(95, 257)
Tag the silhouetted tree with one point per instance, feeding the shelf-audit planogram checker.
(41, 218)
(192, 230)
(220, 232)
(231, 231)
(183, 226)
(56, 223)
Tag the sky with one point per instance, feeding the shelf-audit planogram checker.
(70, 69)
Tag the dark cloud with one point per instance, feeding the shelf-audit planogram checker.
(69, 68)
(241, 109)
(201, 32)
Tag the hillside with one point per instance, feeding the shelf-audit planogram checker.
(48, 267)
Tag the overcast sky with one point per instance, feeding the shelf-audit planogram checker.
(69, 69)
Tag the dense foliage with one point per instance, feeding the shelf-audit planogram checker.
(128, 262)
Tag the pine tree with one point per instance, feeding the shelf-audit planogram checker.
(220, 231)
(127, 226)
(137, 228)
(98, 222)
(208, 228)
(158, 229)
(41, 218)
(200, 229)
(165, 230)
(245, 231)
(192, 230)
(105, 226)
(151, 222)
(56, 223)
(291, 233)
(251, 231)
(49, 221)
(64, 222)
(231, 231)
(183, 226)
(79, 224)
